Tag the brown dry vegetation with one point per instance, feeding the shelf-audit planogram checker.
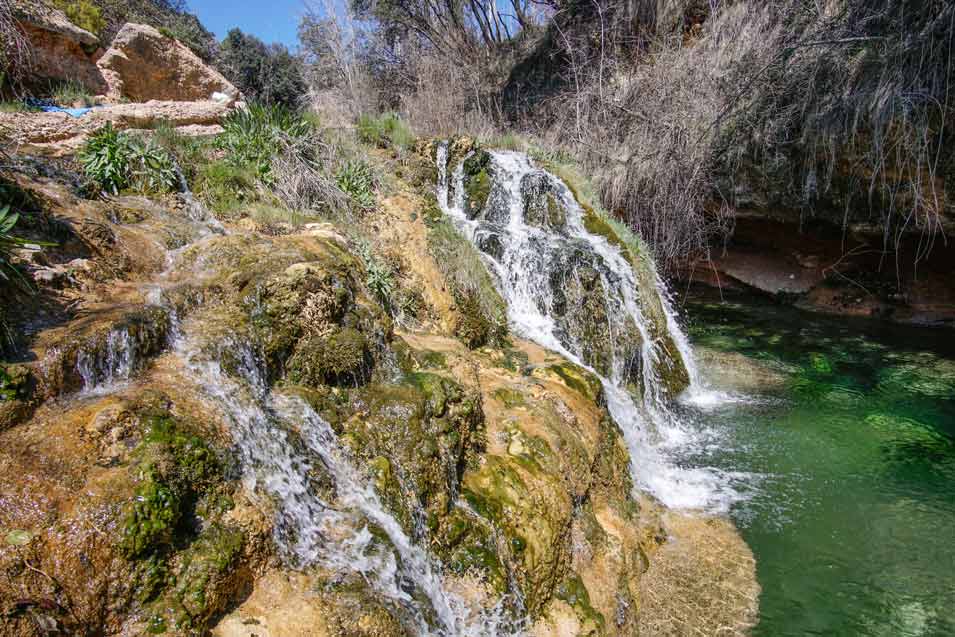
(685, 111)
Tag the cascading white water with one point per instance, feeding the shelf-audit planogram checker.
(533, 263)
(101, 368)
(310, 530)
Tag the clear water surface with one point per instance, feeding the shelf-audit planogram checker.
(847, 438)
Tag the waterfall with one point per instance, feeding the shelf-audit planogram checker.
(282, 444)
(574, 292)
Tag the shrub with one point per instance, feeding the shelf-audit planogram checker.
(105, 159)
(254, 134)
(356, 180)
(115, 162)
(83, 14)
(385, 131)
(264, 73)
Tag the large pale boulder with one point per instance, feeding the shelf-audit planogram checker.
(60, 50)
(142, 64)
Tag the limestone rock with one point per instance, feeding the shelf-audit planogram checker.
(58, 133)
(142, 64)
(61, 51)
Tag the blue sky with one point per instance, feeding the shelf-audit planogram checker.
(269, 20)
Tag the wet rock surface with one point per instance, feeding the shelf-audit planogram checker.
(132, 503)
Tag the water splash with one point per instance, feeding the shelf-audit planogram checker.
(534, 261)
(103, 367)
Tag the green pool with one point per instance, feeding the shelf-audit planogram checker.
(845, 431)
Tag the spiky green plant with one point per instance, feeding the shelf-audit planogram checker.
(8, 243)
(357, 181)
(253, 135)
(115, 162)
(105, 159)
(152, 169)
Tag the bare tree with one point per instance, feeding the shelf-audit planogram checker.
(15, 51)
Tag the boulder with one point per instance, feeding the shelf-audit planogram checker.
(61, 51)
(142, 64)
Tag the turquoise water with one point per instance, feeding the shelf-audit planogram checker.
(848, 437)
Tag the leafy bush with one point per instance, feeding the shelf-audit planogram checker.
(254, 134)
(385, 131)
(357, 181)
(115, 162)
(264, 73)
(83, 14)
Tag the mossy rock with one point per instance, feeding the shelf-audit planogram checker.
(574, 377)
(510, 398)
(466, 545)
(477, 183)
(573, 591)
(670, 369)
(542, 205)
(202, 587)
(531, 510)
(17, 386)
(342, 357)
(173, 469)
(418, 436)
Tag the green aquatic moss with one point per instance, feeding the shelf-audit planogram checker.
(152, 518)
(342, 356)
(477, 182)
(510, 397)
(577, 378)
(173, 469)
(208, 559)
(573, 591)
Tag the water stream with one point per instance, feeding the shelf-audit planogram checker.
(284, 448)
(533, 263)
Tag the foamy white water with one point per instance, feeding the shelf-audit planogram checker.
(523, 261)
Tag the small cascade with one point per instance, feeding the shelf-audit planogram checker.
(284, 446)
(197, 212)
(575, 292)
(104, 365)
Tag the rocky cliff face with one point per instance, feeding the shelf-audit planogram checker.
(227, 431)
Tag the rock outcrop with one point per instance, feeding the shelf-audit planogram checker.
(61, 51)
(59, 134)
(126, 514)
(142, 64)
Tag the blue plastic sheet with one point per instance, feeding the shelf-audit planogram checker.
(73, 112)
